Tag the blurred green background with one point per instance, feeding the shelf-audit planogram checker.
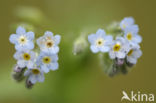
(79, 79)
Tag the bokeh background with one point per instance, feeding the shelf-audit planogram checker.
(79, 79)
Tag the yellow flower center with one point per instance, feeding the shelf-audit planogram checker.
(46, 60)
(130, 52)
(22, 40)
(116, 47)
(26, 56)
(49, 44)
(99, 42)
(35, 71)
(129, 36)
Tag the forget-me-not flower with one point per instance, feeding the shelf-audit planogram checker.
(133, 54)
(47, 61)
(100, 41)
(119, 48)
(49, 42)
(34, 74)
(23, 40)
(25, 58)
(126, 22)
(131, 34)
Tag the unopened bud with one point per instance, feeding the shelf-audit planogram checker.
(80, 45)
(28, 84)
(18, 73)
(119, 62)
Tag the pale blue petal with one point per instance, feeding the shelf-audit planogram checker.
(30, 35)
(54, 66)
(40, 78)
(48, 33)
(33, 78)
(20, 30)
(104, 49)
(132, 60)
(45, 68)
(13, 38)
(137, 38)
(27, 72)
(21, 63)
(57, 39)
(94, 49)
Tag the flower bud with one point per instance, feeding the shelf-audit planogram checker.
(119, 62)
(80, 45)
(28, 84)
(18, 73)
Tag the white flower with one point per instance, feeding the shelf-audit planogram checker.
(49, 42)
(100, 41)
(126, 22)
(23, 40)
(133, 54)
(34, 74)
(47, 61)
(131, 34)
(25, 58)
(119, 48)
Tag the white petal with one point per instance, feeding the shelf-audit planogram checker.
(120, 55)
(132, 60)
(33, 79)
(137, 53)
(92, 38)
(30, 35)
(48, 33)
(54, 66)
(100, 32)
(40, 78)
(21, 63)
(30, 64)
(54, 50)
(57, 39)
(20, 30)
(94, 49)
(13, 38)
(104, 49)
(45, 68)
(137, 38)
(27, 72)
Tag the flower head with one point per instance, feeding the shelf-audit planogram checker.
(133, 54)
(47, 61)
(23, 40)
(49, 42)
(100, 41)
(126, 22)
(131, 34)
(25, 58)
(119, 48)
(34, 74)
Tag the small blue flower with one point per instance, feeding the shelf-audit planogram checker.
(47, 61)
(131, 34)
(25, 58)
(49, 43)
(100, 42)
(133, 54)
(34, 74)
(23, 40)
(119, 48)
(126, 22)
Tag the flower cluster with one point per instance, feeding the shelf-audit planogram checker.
(125, 49)
(33, 63)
